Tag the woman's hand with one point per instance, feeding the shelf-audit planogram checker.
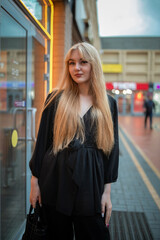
(35, 194)
(106, 204)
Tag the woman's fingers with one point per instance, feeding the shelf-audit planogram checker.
(35, 192)
(102, 208)
(33, 201)
(106, 205)
(40, 201)
(108, 214)
(35, 196)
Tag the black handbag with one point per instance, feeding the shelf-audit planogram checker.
(36, 229)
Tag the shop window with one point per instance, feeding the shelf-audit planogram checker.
(40, 10)
(156, 99)
(138, 102)
(13, 162)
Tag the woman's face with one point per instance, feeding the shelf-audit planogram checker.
(79, 68)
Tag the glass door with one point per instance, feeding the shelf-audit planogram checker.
(124, 104)
(120, 104)
(12, 126)
(22, 94)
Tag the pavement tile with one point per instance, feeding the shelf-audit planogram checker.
(130, 193)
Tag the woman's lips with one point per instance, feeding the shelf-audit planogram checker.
(78, 75)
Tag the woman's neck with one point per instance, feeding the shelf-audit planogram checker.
(84, 89)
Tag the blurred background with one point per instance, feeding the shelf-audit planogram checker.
(34, 38)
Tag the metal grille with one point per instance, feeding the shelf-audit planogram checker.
(129, 226)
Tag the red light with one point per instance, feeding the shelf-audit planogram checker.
(139, 96)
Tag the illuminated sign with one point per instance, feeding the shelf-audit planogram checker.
(142, 86)
(138, 102)
(156, 86)
(139, 96)
(112, 68)
(127, 85)
(14, 84)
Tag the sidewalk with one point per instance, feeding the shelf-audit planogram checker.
(136, 194)
(148, 140)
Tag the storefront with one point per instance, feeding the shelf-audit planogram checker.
(25, 63)
(131, 96)
(156, 97)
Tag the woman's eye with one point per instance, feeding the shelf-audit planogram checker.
(83, 62)
(71, 63)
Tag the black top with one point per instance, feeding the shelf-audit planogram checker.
(73, 180)
(149, 106)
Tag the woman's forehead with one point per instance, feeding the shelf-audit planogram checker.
(76, 53)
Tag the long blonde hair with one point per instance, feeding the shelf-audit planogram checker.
(67, 123)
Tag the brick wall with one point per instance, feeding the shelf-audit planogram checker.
(62, 32)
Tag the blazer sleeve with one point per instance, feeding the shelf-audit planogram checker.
(111, 162)
(44, 139)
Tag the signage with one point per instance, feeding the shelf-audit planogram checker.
(14, 138)
(19, 104)
(14, 84)
(138, 102)
(156, 86)
(142, 86)
(112, 68)
(127, 85)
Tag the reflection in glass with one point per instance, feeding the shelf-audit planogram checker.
(128, 104)
(12, 117)
(41, 10)
(35, 7)
(38, 8)
(120, 104)
(138, 102)
(37, 90)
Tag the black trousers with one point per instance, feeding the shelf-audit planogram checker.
(148, 115)
(62, 227)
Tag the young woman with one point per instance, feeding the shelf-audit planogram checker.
(76, 155)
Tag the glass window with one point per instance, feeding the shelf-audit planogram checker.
(120, 104)
(38, 89)
(138, 102)
(39, 10)
(156, 99)
(49, 18)
(12, 126)
(35, 7)
(128, 104)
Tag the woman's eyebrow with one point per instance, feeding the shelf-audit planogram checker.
(74, 59)
(71, 59)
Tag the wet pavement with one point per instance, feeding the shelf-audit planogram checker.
(137, 191)
(148, 140)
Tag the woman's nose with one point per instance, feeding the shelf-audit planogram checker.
(77, 66)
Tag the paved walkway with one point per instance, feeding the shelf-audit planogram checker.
(147, 140)
(138, 187)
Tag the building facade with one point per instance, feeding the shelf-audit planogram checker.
(35, 36)
(131, 67)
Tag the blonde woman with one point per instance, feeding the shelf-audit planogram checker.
(76, 155)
